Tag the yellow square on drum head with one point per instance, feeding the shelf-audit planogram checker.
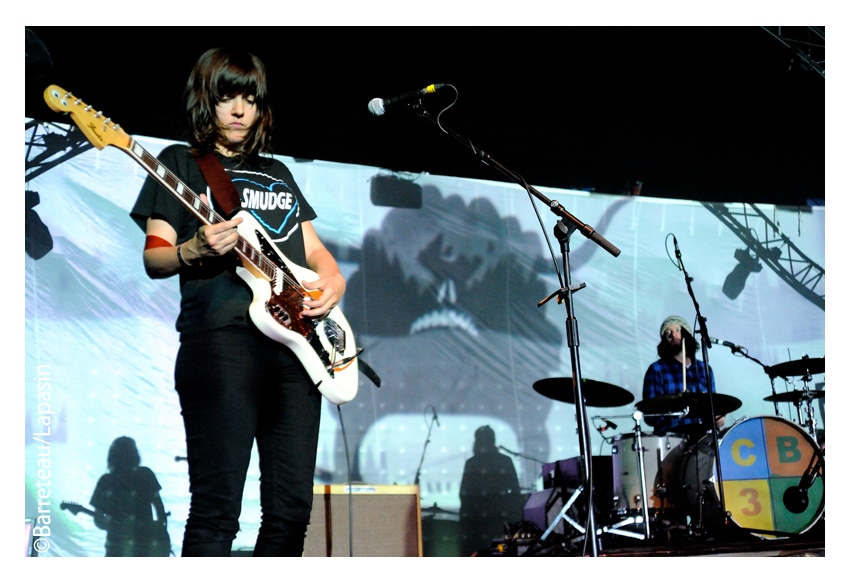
(749, 503)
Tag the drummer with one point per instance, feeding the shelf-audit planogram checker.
(664, 377)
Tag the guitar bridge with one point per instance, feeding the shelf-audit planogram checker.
(335, 335)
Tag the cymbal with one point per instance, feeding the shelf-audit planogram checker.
(597, 394)
(796, 396)
(697, 404)
(798, 368)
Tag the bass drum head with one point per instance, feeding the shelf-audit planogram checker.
(761, 459)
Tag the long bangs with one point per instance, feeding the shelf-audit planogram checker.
(238, 73)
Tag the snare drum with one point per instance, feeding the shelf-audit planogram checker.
(761, 458)
(659, 455)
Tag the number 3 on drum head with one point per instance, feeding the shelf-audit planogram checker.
(744, 499)
(753, 500)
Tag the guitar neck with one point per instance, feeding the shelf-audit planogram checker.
(194, 204)
(76, 508)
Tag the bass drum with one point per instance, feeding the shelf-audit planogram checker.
(761, 459)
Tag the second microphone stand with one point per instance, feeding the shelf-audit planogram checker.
(706, 344)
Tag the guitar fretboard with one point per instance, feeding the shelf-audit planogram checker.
(202, 210)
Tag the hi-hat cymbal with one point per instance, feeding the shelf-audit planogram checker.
(796, 396)
(798, 368)
(597, 394)
(697, 404)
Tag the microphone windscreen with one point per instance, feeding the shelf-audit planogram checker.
(376, 106)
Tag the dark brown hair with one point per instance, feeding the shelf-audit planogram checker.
(219, 73)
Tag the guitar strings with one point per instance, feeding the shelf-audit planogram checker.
(203, 210)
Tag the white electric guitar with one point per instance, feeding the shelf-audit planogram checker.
(324, 346)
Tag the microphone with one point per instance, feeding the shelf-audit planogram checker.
(796, 499)
(678, 253)
(377, 106)
(735, 348)
(610, 424)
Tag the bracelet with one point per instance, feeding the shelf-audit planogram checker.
(180, 256)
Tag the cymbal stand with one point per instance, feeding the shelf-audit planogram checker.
(773, 392)
(811, 423)
(637, 415)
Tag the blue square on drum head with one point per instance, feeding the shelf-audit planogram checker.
(743, 454)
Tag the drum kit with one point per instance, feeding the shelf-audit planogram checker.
(772, 469)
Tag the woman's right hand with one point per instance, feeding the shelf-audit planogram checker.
(212, 240)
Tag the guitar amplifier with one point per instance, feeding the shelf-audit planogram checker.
(386, 518)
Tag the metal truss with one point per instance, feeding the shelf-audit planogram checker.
(47, 149)
(769, 244)
(807, 43)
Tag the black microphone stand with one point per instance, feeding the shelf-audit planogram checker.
(565, 294)
(563, 230)
(706, 344)
(424, 448)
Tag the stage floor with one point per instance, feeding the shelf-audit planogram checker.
(730, 549)
(735, 542)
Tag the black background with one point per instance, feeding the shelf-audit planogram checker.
(706, 113)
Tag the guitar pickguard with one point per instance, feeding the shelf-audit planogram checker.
(286, 306)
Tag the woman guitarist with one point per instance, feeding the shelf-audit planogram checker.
(236, 385)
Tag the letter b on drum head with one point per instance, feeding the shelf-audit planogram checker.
(788, 449)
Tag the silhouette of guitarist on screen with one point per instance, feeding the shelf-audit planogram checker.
(123, 501)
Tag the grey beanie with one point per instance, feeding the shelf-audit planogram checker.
(675, 320)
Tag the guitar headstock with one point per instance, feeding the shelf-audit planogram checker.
(100, 130)
(72, 507)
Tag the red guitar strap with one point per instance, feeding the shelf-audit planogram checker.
(219, 182)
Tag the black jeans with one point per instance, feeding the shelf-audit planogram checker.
(236, 385)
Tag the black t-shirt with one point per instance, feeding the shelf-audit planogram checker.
(213, 295)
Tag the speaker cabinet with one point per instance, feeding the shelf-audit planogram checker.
(386, 519)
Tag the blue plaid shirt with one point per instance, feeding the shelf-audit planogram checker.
(665, 378)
